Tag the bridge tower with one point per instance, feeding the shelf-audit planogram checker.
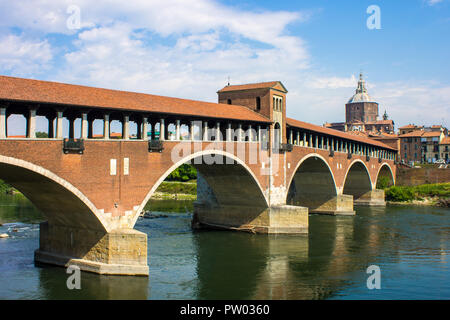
(266, 98)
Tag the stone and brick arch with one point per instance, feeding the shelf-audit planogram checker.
(312, 184)
(60, 202)
(227, 183)
(357, 181)
(385, 171)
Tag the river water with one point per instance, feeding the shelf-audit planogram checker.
(410, 245)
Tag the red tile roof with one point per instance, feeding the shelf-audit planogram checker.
(335, 133)
(431, 134)
(416, 133)
(250, 86)
(28, 90)
(408, 126)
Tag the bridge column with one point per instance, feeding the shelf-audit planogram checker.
(177, 130)
(84, 126)
(291, 137)
(2, 123)
(31, 132)
(217, 131)
(59, 124)
(240, 132)
(192, 131)
(304, 139)
(259, 134)
(229, 132)
(144, 131)
(126, 127)
(205, 131)
(162, 130)
(106, 126)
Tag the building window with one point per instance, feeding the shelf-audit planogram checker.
(277, 103)
(258, 103)
(229, 101)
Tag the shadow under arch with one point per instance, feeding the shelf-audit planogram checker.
(385, 171)
(357, 180)
(59, 201)
(219, 184)
(312, 185)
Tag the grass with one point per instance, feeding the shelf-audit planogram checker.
(406, 193)
(177, 188)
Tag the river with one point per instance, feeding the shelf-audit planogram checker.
(410, 245)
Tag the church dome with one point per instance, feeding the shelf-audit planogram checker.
(361, 94)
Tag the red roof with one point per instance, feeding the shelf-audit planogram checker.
(28, 90)
(416, 133)
(431, 134)
(335, 133)
(250, 86)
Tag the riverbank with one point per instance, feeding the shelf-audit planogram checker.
(437, 194)
(169, 190)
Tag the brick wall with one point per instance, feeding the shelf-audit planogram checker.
(416, 176)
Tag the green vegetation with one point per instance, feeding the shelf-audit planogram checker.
(5, 188)
(384, 182)
(421, 192)
(40, 134)
(185, 172)
(177, 188)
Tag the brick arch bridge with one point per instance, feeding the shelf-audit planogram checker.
(92, 188)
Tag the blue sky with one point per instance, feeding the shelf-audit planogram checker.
(189, 48)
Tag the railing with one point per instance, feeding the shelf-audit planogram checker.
(73, 145)
(155, 146)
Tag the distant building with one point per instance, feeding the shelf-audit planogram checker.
(422, 144)
(361, 114)
(444, 149)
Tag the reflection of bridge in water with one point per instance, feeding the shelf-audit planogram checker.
(258, 170)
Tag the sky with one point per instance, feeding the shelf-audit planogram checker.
(189, 49)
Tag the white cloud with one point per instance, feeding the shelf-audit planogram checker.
(333, 83)
(433, 2)
(188, 49)
(24, 56)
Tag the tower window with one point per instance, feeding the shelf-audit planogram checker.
(258, 103)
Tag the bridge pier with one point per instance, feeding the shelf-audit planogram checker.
(119, 252)
(373, 197)
(339, 205)
(273, 220)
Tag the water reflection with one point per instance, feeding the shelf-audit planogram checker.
(52, 282)
(410, 244)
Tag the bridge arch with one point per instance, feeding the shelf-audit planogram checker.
(60, 202)
(385, 171)
(313, 184)
(357, 181)
(231, 184)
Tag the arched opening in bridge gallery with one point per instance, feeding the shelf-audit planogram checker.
(385, 177)
(313, 186)
(219, 191)
(357, 182)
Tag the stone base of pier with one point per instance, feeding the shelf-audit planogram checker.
(372, 198)
(120, 252)
(340, 205)
(273, 220)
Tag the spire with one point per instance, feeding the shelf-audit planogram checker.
(385, 115)
(361, 85)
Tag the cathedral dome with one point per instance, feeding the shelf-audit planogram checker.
(361, 94)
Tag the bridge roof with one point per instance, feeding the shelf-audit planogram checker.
(260, 85)
(38, 91)
(335, 133)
